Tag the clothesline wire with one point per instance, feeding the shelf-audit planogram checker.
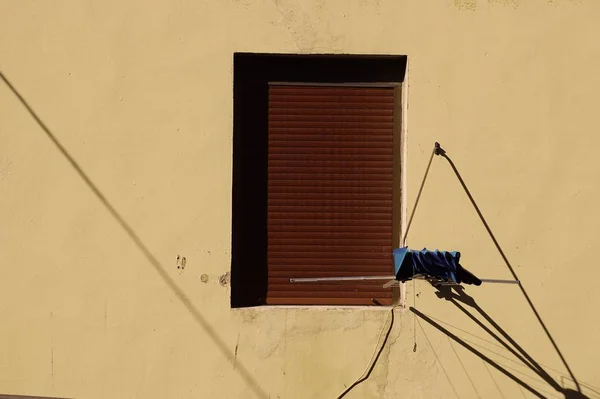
(441, 152)
(410, 220)
(437, 150)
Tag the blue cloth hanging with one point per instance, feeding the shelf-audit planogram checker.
(443, 265)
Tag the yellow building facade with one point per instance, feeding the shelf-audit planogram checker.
(129, 170)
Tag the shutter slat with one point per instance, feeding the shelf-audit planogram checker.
(349, 155)
(316, 250)
(330, 214)
(331, 124)
(333, 213)
(332, 236)
(373, 179)
(386, 301)
(298, 144)
(332, 223)
(293, 183)
(371, 255)
(360, 262)
(326, 111)
(302, 193)
(311, 172)
(300, 137)
(329, 163)
(328, 91)
(318, 131)
(319, 202)
(324, 118)
(330, 183)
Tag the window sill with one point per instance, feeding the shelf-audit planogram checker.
(320, 308)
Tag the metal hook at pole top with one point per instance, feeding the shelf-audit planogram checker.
(439, 150)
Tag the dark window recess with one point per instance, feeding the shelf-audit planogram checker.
(329, 212)
(313, 191)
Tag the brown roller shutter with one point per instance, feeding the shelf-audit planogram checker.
(330, 190)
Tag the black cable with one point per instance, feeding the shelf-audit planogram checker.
(373, 362)
(366, 375)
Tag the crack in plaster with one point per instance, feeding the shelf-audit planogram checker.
(382, 385)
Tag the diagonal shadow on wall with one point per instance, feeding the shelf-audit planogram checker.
(441, 152)
(26, 397)
(459, 298)
(183, 298)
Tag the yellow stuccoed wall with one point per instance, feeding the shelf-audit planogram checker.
(140, 95)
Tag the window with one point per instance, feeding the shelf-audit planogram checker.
(315, 177)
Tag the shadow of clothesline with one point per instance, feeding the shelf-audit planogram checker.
(460, 298)
(564, 378)
(184, 299)
(441, 152)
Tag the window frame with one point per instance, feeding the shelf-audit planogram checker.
(252, 75)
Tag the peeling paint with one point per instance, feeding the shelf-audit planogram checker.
(5, 166)
(467, 5)
(303, 25)
(272, 335)
(506, 3)
(224, 279)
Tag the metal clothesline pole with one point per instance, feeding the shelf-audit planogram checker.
(378, 278)
(353, 278)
